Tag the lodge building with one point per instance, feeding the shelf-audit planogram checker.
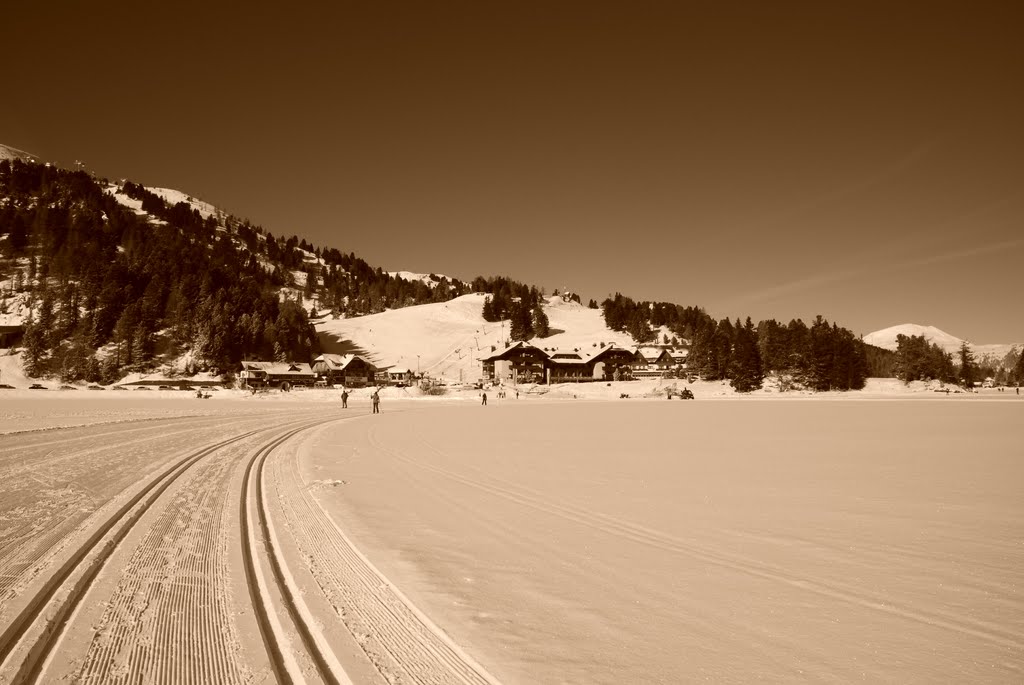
(285, 375)
(526, 363)
(349, 370)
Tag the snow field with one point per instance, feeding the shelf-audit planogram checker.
(678, 541)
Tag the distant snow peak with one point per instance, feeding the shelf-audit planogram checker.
(886, 338)
(12, 153)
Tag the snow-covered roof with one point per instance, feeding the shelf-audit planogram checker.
(652, 354)
(518, 345)
(339, 361)
(277, 368)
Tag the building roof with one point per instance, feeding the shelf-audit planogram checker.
(338, 362)
(519, 345)
(278, 368)
(652, 354)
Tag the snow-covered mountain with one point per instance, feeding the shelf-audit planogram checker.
(886, 338)
(7, 152)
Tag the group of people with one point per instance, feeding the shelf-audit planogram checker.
(374, 398)
(501, 395)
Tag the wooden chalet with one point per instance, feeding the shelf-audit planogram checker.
(567, 367)
(401, 377)
(284, 375)
(679, 358)
(525, 363)
(349, 370)
(651, 362)
(610, 360)
(517, 363)
(576, 366)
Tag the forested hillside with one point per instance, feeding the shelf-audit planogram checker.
(112, 278)
(105, 289)
(821, 356)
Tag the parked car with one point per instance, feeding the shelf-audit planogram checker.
(37, 386)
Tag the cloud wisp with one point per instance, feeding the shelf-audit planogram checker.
(813, 281)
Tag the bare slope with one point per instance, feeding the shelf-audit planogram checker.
(7, 152)
(448, 339)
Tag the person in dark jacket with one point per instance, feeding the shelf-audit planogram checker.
(344, 399)
(483, 399)
(376, 401)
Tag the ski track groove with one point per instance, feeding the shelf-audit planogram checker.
(21, 557)
(183, 603)
(378, 616)
(187, 604)
(692, 548)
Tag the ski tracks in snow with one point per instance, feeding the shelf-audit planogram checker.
(403, 644)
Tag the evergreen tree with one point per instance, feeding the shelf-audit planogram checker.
(721, 350)
(968, 370)
(745, 366)
(521, 322)
(821, 355)
(541, 326)
(639, 328)
(488, 311)
(1018, 370)
(33, 355)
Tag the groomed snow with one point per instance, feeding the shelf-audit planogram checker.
(697, 541)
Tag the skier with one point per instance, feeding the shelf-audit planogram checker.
(376, 401)
(483, 399)
(344, 399)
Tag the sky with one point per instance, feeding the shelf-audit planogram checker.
(863, 161)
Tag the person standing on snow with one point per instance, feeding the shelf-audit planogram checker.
(344, 399)
(483, 400)
(376, 401)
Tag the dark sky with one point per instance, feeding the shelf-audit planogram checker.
(860, 160)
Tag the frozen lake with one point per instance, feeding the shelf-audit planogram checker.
(730, 541)
(540, 540)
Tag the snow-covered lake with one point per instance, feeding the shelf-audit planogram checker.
(677, 542)
(549, 539)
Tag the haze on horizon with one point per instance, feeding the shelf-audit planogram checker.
(862, 162)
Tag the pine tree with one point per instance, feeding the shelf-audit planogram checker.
(745, 366)
(639, 328)
(33, 356)
(521, 322)
(1018, 369)
(541, 325)
(968, 370)
(821, 355)
(488, 311)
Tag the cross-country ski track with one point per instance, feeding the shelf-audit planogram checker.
(187, 550)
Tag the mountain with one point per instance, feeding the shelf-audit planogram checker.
(7, 152)
(993, 354)
(886, 338)
(115, 278)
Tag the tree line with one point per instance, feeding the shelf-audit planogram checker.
(107, 289)
(821, 356)
(916, 359)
